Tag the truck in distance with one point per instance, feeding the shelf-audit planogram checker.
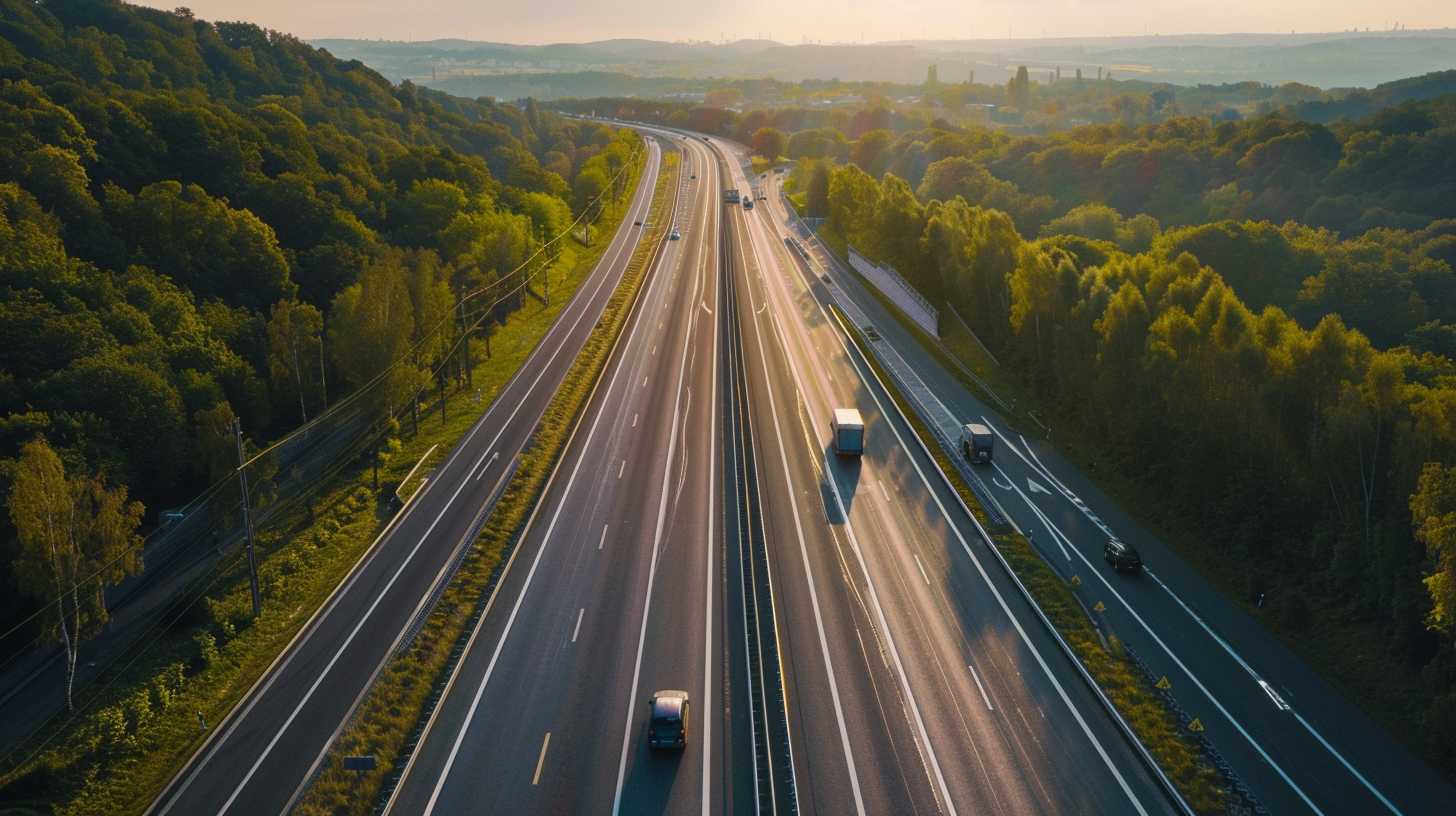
(847, 428)
(730, 195)
(977, 442)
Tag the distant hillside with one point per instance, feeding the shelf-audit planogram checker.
(1346, 59)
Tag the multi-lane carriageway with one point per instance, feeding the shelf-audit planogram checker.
(848, 642)
(902, 695)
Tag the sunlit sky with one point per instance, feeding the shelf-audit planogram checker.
(794, 21)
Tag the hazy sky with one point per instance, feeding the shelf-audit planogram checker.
(544, 21)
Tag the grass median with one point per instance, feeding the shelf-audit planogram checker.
(141, 721)
(1129, 689)
(398, 705)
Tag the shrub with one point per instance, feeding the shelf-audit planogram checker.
(206, 649)
(138, 709)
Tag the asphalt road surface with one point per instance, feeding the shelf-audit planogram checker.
(617, 586)
(918, 679)
(258, 759)
(1299, 745)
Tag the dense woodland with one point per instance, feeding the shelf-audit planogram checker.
(204, 220)
(1271, 302)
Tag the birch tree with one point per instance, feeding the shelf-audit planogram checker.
(77, 537)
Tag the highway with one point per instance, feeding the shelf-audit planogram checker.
(918, 680)
(617, 589)
(259, 758)
(1295, 741)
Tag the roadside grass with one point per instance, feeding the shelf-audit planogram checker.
(142, 721)
(400, 702)
(1126, 686)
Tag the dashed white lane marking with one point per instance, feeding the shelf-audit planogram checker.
(977, 678)
(577, 630)
(541, 760)
(922, 569)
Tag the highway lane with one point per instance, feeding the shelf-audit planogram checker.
(1323, 755)
(617, 587)
(914, 686)
(259, 758)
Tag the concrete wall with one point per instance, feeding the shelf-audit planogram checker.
(899, 291)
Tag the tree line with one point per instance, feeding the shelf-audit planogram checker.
(208, 221)
(1316, 458)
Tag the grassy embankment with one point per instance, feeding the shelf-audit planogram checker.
(1131, 692)
(142, 722)
(400, 701)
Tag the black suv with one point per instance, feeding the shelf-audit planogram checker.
(1122, 557)
(667, 726)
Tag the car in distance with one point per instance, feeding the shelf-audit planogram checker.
(637, 223)
(674, 235)
(1122, 556)
(667, 719)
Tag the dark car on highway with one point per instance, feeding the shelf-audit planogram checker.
(1123, 557)
(667, 726)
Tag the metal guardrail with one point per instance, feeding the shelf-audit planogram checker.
(774, 775)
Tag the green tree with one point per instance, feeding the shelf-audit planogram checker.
(425, 211)
(770, 143)
(1018, 89)
(77, 537)
(371, 324)
(295, 331)
(817, 194)
(1433, 515)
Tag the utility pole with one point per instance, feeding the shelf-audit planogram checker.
(323, 383)
(247, 519)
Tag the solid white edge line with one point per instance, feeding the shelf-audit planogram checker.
(209, 748)
(652, 567)
(535, 563)
(714, 420)
(809, 576)
(1081, 505)
(914, 706)
(1188, 672)
(965, 546)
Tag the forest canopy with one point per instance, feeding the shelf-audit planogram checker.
(186, 205)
